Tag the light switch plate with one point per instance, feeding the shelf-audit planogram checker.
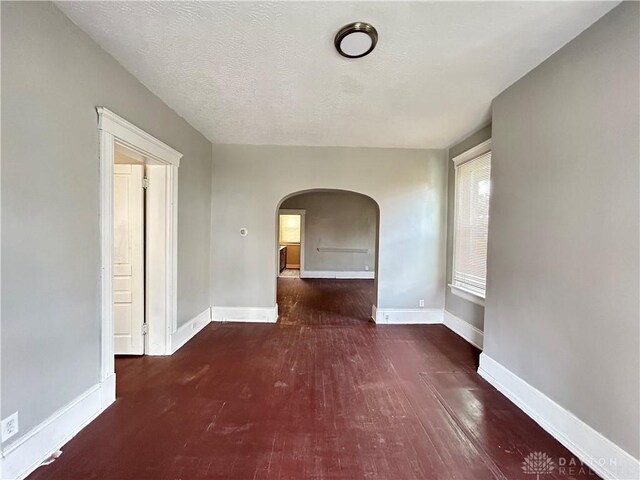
(9, 426)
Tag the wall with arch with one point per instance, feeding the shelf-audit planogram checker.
(337, 219)
(409, 186)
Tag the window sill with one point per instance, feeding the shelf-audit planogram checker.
(466, 294)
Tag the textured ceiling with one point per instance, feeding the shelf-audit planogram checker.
(267, 73)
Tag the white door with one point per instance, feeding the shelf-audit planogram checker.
(128, 259)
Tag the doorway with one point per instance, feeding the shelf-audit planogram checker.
(336, 235)
(138, 201)
(128, 255)
(291, 225)
(139, 249)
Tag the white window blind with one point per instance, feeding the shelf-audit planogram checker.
(289, 228)
(473, 189)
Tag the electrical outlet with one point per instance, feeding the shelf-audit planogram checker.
(9, 426)
(366, 268)
(421, 302)
(386, 317)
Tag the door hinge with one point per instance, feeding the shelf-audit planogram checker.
(145, 328)
(145, 182)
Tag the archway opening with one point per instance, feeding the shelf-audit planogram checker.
(326, 257)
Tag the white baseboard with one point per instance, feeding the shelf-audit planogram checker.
(23, 456)
(336, 274)
(602, 455)
(189, 330)
(407, 316)
(107, 391)
(245, 314)
(467, 331)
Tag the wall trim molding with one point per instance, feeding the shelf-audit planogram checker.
(189, 330)
(245, 314)
(22, 457)
(337, 274)
(471, 334)
(595, 450)
(407, 316)
(466, 294)
(472, 153)
(135, 138)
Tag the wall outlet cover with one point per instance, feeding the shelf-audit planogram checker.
(421, 302)
(9, 426)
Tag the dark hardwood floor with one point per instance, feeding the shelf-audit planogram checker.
(324, 393)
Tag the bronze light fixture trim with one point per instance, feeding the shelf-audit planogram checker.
(355, 35)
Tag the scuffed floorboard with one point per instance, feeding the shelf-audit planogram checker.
(323, 394)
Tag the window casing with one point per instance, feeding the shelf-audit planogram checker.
(471, 221)
(289, 228)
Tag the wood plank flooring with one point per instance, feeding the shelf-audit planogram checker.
(322, 394)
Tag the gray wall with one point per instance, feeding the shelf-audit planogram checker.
(408, 185)
(563, 278)
(53, 77)
(464, 309)
(337, 219)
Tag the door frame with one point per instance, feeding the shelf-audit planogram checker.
(113, 130)
(292, 211)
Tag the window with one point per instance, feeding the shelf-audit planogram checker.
(289, 228)
(473, 189)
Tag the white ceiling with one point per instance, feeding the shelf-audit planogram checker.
(267, 73)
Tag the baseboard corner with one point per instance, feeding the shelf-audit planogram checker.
(189, 330)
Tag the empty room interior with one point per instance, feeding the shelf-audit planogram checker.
(320, 240)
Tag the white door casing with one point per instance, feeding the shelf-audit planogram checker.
(128, 259)
(116, 131)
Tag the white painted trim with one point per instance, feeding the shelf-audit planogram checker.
(116, 130)
(135, 138)
(467, 331)
(588, 445)
(472, 153)
(466, 294)
(23, 456)
(108, 390)
(374, 313)
(171, 260)
(107, 156)
(342, 250)
(408, 316)
(245, 314)
(189, 330)
(336, 274)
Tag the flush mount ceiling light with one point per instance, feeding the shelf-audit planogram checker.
(356, 40)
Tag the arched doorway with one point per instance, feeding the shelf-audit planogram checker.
(326, 256)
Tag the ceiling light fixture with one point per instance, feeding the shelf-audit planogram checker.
(356, 40)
